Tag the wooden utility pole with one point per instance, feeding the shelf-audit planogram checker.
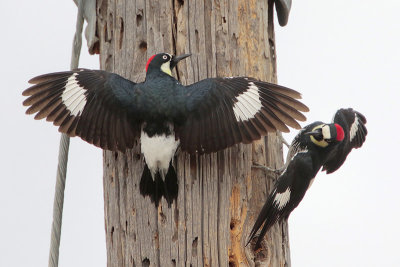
(220, 194)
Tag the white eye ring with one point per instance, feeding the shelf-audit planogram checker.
(164, 57)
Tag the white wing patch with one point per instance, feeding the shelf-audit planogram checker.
(248, 103)
(281, 199)
(73, 96)
(354, 128)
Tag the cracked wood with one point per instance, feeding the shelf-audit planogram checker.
(220, 194)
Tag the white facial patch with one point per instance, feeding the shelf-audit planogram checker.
(165, 67)
(326, 132)
(354, 128)
(281, 199)
(248, 103)
(73, 96)
(158, 151)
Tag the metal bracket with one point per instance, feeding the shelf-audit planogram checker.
(89, 14)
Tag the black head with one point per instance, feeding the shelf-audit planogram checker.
(164, 62)
(323, 134)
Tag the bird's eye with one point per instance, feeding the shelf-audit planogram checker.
(164, 56)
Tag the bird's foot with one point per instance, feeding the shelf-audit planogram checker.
(280, 136)
(275, 171)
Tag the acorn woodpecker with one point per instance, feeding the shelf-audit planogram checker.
(110, 112)
(316, 145)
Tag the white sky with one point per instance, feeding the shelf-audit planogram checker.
(340, 53)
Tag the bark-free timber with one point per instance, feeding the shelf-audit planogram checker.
(220, 194)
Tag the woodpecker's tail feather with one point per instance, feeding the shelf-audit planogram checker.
(156, 187)
(159, 189)
(268, 216)
(147, 184)
(171, 185)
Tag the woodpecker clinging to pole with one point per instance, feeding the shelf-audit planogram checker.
(110, 112)
(316, 145)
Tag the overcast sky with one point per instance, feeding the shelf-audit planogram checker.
(342, 53)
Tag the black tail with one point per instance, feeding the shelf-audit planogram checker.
(267, 216)
(171, 185)
(157, 188)
(150, 187)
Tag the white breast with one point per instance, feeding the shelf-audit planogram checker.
(158, 150)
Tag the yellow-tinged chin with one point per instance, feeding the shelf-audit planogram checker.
(321, 143)
(166, 68)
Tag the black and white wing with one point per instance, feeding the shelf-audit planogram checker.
(226, 111)
(296, 146)
(92, 104)
(353, 124)
(288, 191)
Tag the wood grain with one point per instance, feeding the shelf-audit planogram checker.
(220, 194)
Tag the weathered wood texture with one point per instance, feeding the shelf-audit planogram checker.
(220, 195)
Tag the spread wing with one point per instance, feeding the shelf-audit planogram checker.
(226, 111)
(92, 104)
(353, 124)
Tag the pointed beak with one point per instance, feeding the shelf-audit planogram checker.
(317, 134)
(176, 59)
(313, 133)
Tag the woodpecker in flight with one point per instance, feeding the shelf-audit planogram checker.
(316, 145)
(110, 112)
